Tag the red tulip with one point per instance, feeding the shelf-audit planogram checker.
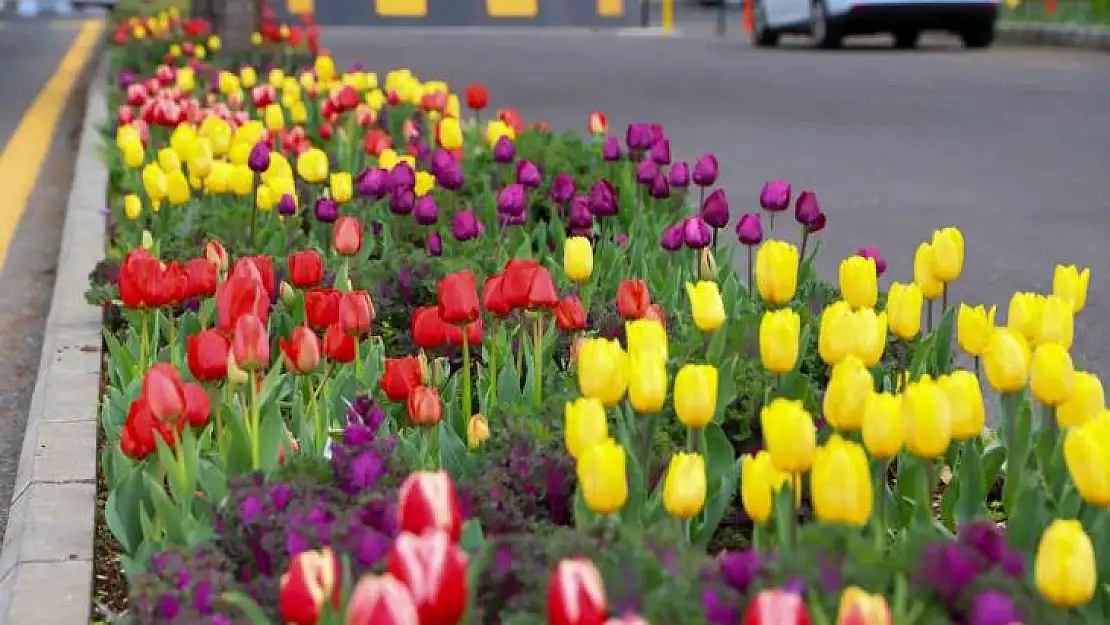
(250, 345)
(477, 97)
(400, 377)
(197, 405)
(260, 268)
(356, 312)
(575, 594)
(528, 284)
(776, 607)
(377, 141)
(598, 123)
(201, 278)
(139, 429)
(458, 298)
(424, 406)
(338, 345)
(322, 308)
(207, 355)
(633, 299)
(513, 118)
(216, 254)
(474, 334)
(312, 580)
(570, 316)
(655, 313)
(347, 236)
(434, 569)
(428, 501)
(306, 269)
(138, 273)
(493, 298)
(239, 296)
(381, 600)
(428, 330)
(301, 351)
(170, 287)
(164, 393)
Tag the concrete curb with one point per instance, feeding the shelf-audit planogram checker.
(47, 561)
(1057, 35)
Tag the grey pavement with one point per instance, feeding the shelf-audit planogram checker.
(1011, 145)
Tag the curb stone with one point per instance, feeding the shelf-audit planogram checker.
(46, 565)
(1056, 35)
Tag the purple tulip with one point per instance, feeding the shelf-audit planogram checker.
(873, 253)
(775, 196)
(562, 188)
(510, 200)
(434, 244)
(287, 205)
(326, 210)
(993, 608)
(806, 208)
(818, 224)
(611, 149)
(705, 171)
(661, 152)
(503, 150)
(450, 177)
(672, 239)
(425, 211)
(740, 568)
(528, 174)
(660, 189)
(402, 176)
(603, 199)
(465, 225)
(680, 175)
(401, 201)
(638, 137)
(440, 159)
(949, 568)
(582, 232)
(749, 229)
(422, 150)
(657, 133)
(645, 172)
(715, 210)
(580, 216)
(696, 233)
(259, 158)
(372, 182)
(126, 78)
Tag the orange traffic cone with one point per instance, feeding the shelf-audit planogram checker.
(749, 17)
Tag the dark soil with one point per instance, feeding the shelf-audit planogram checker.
(109, 596)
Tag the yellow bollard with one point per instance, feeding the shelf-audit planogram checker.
(666, 17)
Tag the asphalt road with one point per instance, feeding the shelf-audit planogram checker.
(1010, 145)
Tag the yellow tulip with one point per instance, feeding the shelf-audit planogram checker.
(186, 79)
(298, 112)
(1024, 315)
(870, 336)
(858, 607)
(1064, 569)
(923, 276)
(274, 117)
(776, 272)
(154, 182)
(837, 336)
(1057, 323)
(132, 206)
(903, 310)
(585, 424)
(184, 141)
(706, 305)
(312, 165)
(1051, 374)
(496, 129)
(882, 425)
(840, 483)
(452, 109)
(778, 340)
(695, 394)
(646, 336)
(450, 133)
(375, 100)
(242, 180)
(1070, 284)
(324, 68)
(128, 135)
(965, 403)
(249, 133)
(647, 383)
(200, 161)
(789, 434)
(948, 254)
(218, 132)
(341, 187)
(1087, 454)
(134, 155)
(927, 419)
(228, 83)
(214, 43)
(602, 370)
(276, 77)
(759, 481)
(685, 485)
(859, 281)
(256, 38)
(974, 326)
(424, 183)
(1087, 400)
(168, 160)
(602, 478)
(177, 188)
(240, 152)
(1006, 360)
(279, 168)
(477, 431)
(578, 259)
(248, 76)
(219, 179)
(264, 198)
(388, 159)
(849, 386)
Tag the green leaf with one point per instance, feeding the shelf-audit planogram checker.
(971, 504)
(452, 451)
(942, 344)
(248, 606)
(121, 512)
(719, 454)
(472, 540)
(718, 503)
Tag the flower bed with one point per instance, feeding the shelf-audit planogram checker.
(376, 356)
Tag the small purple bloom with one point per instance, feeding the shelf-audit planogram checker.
(806, 208)
(465, 225)
(603, 199)
(645, 172)
(433, 243)
(280, 496)
(715, 210)
(661, 152)
(949, 568)
(287, 205)
(680, 175)
(749, 229)
(562, 188)
(775, 196)
(372, 182)
(638, 137)
(326, 210)
(295, 543)
(622, 239)
(993, 608)
(503, 150)
(402, 176)
(126, 79)
(718, 611)
(660, 189)
(696, 233)
(510, 200)
(671, 240)
(376, 228)
(611, 149)
(740, 568)
(202, 597)
(512, 220)
(528, 174)
(402, 200)
(425, 211)
(450, 177)
(259, 158)
(250, 509)
(873, 253)
(705, 171)
(168, 607)
(580, 215)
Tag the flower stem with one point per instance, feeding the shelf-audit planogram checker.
(537, 354)
(493, 355)
(255, 426)
(466, 407)
(143, 332)
(751, 271)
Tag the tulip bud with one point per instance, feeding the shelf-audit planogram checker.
(882, 425)
(778, 340)
(903, 310)
(602, 370)
(381, 600)
(776, 272)
(707, 265)
(235, 374)
(840, 483)
(759, 481)
(858, 607)
(927, 418)
(311, 581)
(147, 242)
(288, 295)
(1024, 315)
(356, 312)
(428, 501)
(1065, 565)
(647, 387)
(1087, 455)
(684, 487)
(836, 337)
(1070, 284)
(695, 394)
(424, 406)
(789, 435)
(1056, 322)
(948, 254)
(1051, 374)
(575, 594)
(849, 387)
(578, 259)
(931, 286)
(585, 424)
(251, 345)
(602, 478)
(1087, 400)
(974, 326)
(965, 403)
(859, 281)
(749, 229)
(435, 570)
(477, 431)
(1006, 361)
(347, 236)
(646, 336)
(302, 351)
(706, 305)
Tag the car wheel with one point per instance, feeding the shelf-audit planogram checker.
(825, 34)
(906, 39)
(763, 36)
(979, 36)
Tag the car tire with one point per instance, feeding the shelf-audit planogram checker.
(978, 36)
(825, 34)
(906, 39)
(763, 36)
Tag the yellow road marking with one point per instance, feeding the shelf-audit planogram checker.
(26, 150)
(65, 25)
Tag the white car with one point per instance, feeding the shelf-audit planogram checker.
(829, 21)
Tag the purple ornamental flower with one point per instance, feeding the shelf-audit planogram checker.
(465, 225)
(657, 133)
(873, 253)
(740, 568)
(949, 568)
(638, 137)
(259, 158)
(512, 220)
(603, 199)
(365, 411)
(126, 78)
(376, 228)
(749, 229)
(425, 211)
(719, 611)
(402, 200)
(645, 172)
(696, 233)
(621, 239)
(806, 208)
(580, 216)
(287, 205)
(672, 238)
(993, 608)
(715, 210)
(661, 152)
(503, 150)
(510, 200)
(660, 189)
(372, 182)
(326, 210)
(440, 160)
(562, 188)
(433, 243)
(528, 174)
(705, 171)
(402, 176)
(775, 196)
(611, 149)
(450, 177)
(680, 175)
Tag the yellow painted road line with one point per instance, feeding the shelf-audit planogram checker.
(26, 150)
